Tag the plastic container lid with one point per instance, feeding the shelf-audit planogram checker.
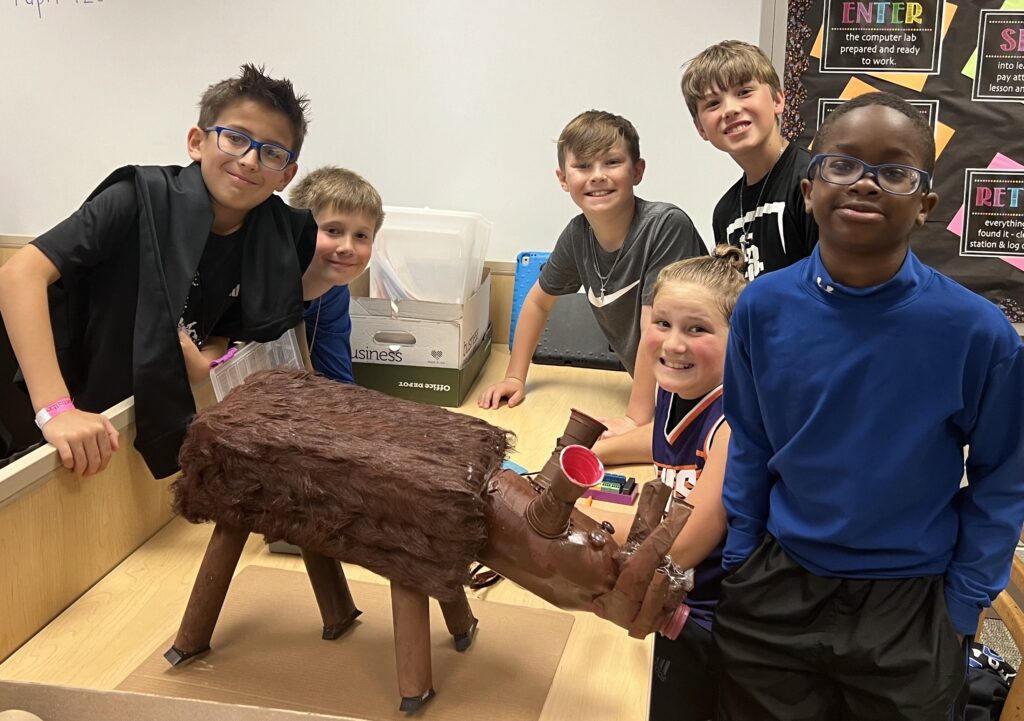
(432, 255)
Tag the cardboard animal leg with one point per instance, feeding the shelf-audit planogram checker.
(333, 596)
(410, 610)
(458, 617)
(208, 593)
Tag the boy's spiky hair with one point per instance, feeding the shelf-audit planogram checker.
(340, 189)
(596, 131)
(922, 130)
(725, 65)
(254, 84)
(721, 274)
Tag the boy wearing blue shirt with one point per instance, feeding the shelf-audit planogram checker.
(348, 213)
(854, 381)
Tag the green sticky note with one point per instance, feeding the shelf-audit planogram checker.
(971, 68)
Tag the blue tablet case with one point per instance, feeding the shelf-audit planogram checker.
(528, 265)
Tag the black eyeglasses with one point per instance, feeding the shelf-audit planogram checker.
(236, 143)
(890, 177)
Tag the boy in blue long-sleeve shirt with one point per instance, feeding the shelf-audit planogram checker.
(348, 213)
(853, 383)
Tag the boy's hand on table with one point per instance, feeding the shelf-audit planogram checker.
(511, 388)
(85, 441)
(617, 426)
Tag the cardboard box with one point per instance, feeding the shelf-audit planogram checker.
(62, 703)
(417, 333)
(437, 386)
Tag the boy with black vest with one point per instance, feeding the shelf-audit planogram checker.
(141, 288)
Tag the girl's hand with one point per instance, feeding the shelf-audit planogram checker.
(85, 441)
(617, 426)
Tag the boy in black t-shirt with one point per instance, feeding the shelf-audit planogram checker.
(735, 98)
(140, 289)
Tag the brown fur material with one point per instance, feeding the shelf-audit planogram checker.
(394, 486)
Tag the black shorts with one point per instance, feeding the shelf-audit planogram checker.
(798, 647)
(684, 679)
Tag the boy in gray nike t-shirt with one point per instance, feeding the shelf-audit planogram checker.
(614, 250)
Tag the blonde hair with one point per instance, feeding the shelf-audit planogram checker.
(340, 189)
(721, 273)
(722, 66)
(595, 131)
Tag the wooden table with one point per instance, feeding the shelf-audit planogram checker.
(135, 608)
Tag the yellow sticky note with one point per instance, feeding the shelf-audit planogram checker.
(943, 132)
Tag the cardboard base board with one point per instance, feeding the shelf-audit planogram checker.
(267, 651)
(63, 703)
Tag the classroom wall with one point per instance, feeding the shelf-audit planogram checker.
(451, 104)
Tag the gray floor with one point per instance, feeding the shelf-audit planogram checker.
(998, 639)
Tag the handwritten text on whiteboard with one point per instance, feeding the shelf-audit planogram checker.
(37, 5)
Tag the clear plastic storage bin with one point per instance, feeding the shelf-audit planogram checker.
(431, 255)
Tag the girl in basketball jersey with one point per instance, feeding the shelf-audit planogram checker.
(693, 301)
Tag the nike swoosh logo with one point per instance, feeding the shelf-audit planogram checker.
(609, 298)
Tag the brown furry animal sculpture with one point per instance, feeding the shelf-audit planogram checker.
(414, 493)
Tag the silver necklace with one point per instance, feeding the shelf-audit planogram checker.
(597, 268)
(316, 325)
(744, 223)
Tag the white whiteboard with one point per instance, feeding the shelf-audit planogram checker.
(448, 104)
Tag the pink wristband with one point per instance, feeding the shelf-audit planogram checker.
(47, 414)
(676, 622)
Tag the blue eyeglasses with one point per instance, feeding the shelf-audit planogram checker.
(236, 143)
(890, 177)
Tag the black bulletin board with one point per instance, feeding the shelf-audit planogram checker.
(962, 64)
